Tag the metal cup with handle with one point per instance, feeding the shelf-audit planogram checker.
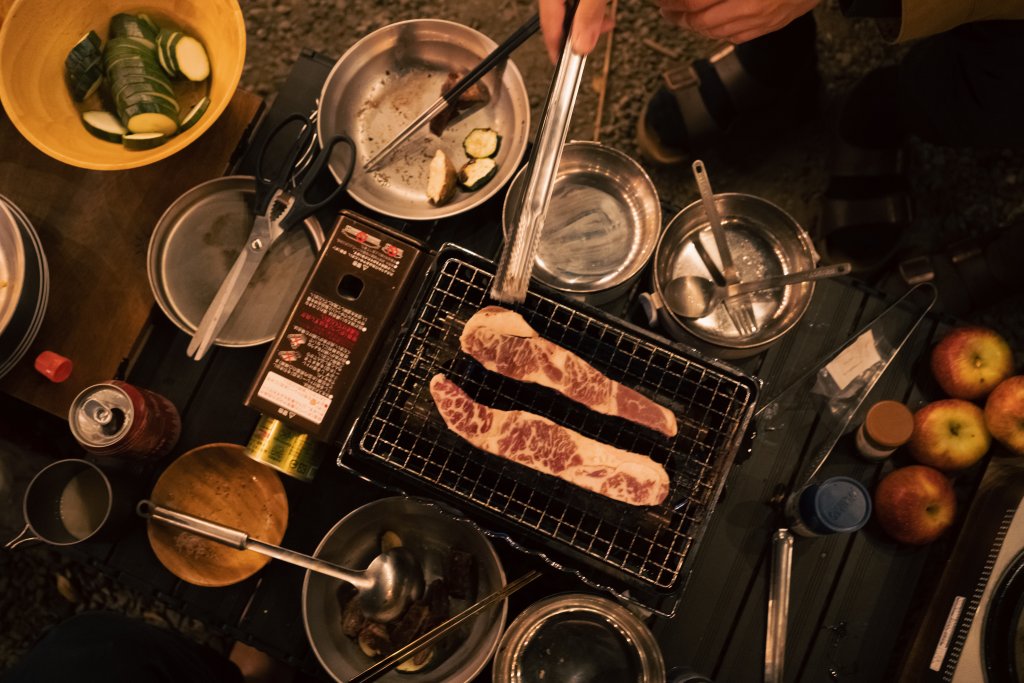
(67, 502)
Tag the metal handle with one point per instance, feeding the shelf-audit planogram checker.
(788, 279)
(200, 527)
(397, 657)
(778, 605)
(515, 264)
(26, 536)
(240, 540)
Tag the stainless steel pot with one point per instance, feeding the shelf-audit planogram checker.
(765, 241)
(430, 531)
(602, 223)
(578, 637)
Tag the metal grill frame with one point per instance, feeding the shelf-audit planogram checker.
(643, 548)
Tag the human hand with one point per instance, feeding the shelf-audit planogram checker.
(588, 25)
(736, 21)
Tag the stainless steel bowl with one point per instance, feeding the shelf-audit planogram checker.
(581, 638)
(429, 530)
(391, 76)
(765, 241)
(602, 223)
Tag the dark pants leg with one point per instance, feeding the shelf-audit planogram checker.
(103, 647)
(964, 88)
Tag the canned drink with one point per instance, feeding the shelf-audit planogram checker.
(286, 450)
(117, 419)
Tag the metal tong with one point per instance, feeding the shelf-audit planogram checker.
(520, 249)
(282, 202)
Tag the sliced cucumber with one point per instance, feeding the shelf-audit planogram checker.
(103, 125)
(147, 21)
(476, 173)
(139, 82)
(83, 67)
(152, 122)
(481, 143)
(131, 26)
(140, 141)
(189, 58)
(194, 114)
(165, 42)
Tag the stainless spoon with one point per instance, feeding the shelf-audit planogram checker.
(693, 296)
(386, 587)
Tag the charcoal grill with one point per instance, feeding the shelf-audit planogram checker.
(635, 552)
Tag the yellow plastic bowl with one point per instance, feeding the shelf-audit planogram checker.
(36, 36)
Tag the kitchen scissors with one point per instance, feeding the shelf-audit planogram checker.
(282, 202)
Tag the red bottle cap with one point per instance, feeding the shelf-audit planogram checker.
(53, 366)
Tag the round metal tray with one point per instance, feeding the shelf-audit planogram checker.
(391, 76)
(196, 242)
(12, 265)
(24, 324)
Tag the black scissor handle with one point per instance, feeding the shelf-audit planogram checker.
(302, 205)
(268, 183)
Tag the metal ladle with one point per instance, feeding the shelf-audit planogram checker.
(693, 296)
(385, 588)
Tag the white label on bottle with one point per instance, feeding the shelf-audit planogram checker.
(292, 396)
(947, 633)
(851, 363)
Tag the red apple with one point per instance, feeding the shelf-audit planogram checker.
(1004, 413)
(970, 361)
(915, 504)
(949, 435)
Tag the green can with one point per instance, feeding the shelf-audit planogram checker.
(276, 444)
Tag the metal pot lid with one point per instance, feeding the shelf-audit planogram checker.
(578, 637)
(194, 245)
(392, 75)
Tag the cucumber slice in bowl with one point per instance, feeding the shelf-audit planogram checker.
(131, 26)
(83, 67)
(141, 141)
(194, 114)
(104, 125)
(190, 59)
(152, 121)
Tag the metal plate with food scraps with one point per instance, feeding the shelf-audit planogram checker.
(391, 76)
(12, 265)
(194, 245)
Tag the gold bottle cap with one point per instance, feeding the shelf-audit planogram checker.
(889, 424)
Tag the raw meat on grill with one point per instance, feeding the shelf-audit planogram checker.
(541, 444)
(503, 342)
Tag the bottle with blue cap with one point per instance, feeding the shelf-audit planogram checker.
(833, 506)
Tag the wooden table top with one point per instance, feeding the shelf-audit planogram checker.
(95, 228)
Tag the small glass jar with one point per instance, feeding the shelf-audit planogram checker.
(887, 426)
(836, 505)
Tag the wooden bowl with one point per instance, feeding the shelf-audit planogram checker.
(221, 483)
(35, 37)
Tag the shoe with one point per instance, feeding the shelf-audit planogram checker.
(702, 103)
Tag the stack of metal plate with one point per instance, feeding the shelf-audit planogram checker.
(24, 284)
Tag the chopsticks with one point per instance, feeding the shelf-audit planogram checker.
(496, 56)
(397, 657)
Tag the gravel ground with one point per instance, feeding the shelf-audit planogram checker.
(957, 195)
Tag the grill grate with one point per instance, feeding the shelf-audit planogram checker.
(402, 428)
